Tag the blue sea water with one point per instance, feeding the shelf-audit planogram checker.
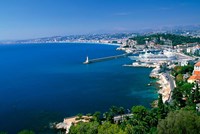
(42, 83)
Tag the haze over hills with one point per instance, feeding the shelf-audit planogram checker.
(109, 37)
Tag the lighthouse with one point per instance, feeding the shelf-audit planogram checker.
(87, 60)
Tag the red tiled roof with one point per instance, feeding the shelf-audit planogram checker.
(198, 77)
(193, 77)
(197, 64)
(196, 73)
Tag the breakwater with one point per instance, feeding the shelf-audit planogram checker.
(88, 61)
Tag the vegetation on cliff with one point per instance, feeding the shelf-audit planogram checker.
(160, 39)
(178, 116)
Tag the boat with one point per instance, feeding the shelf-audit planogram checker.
(170, 54)
(148, 56)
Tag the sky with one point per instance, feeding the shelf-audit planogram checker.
(27, 19)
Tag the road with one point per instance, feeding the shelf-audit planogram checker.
(172, 84)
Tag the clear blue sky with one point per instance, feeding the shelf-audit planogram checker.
(23, 19)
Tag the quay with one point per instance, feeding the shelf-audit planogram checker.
(88, 61)
(141, 64)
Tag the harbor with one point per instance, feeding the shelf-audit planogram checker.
(161, 62)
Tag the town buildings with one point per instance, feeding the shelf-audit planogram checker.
(196, 74)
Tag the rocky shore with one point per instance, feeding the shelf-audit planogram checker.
(163, 81)
(165, 88)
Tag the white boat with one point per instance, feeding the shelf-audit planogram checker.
(170, 54)
(148, 56)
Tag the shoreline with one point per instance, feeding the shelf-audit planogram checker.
(165, 89)
(162, 79)
(164, 84)
(95, 43)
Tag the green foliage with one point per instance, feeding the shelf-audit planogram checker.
(84, 128)
(176, 39)
(139, 112)
(190, 100)
(121, 110)
(108, 116)
(196, 93)
(177, 116)
(113, 111)
(189, 108)
(129, 129)
(3, 132)
(108, 128)
(177, 97)
(140, 39)
(97, 116)
(178, 70)
(153, 117)
(186, 88)
(161, 108)
(179, 78)
(187, 69)
(79, 116)
(26, 132)
(180, 122)
(183, 94)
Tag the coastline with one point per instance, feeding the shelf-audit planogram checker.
(96, 43)
(165, 89)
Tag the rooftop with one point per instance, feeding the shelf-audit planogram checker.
(197, 64)
(196, 73)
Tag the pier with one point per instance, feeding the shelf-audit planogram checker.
(88, 61)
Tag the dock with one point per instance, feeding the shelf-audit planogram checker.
(89, 61)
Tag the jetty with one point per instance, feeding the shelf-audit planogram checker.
(89, 61)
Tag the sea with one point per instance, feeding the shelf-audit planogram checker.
(44, 83)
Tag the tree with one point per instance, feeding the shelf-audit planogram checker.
(179, 78)
(84, 128)
(108, 116)
(113, 110)
(121, 110)
(108, 128)
(186, 88)
(129, 129)
(139, 112)
(153, 114)
(196, 92)
(177, 96)
(190, 99)
(180, 122)
(26, 132)
(97, 116)
(161, 107)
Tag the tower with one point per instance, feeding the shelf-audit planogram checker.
(87, 60)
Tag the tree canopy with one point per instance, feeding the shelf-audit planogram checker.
(176, 39)
(180, 122)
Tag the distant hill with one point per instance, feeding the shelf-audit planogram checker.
(160, 38)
